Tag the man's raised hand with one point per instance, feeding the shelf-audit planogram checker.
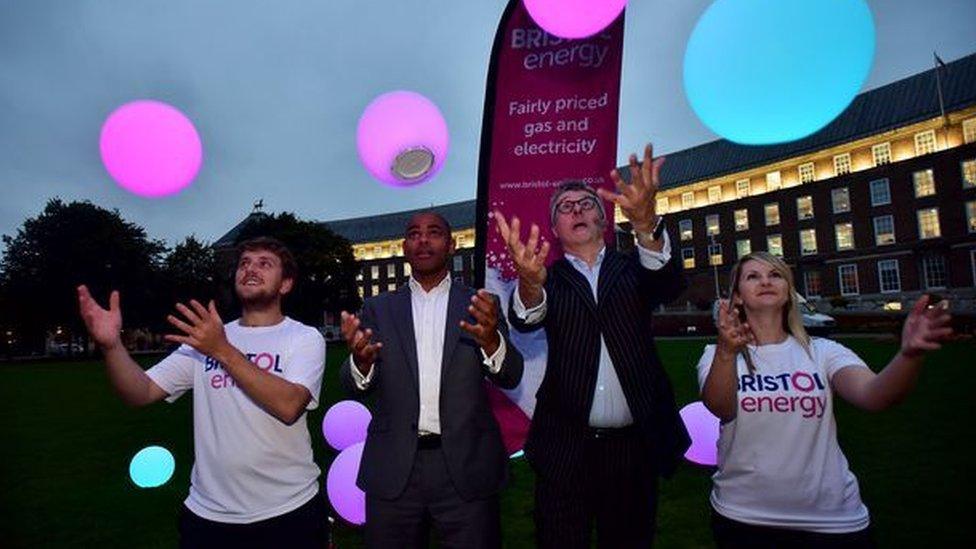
(202, 328)
(364, 352)
(104, 326)
(529, 257)
(637, 200)
(485, 329)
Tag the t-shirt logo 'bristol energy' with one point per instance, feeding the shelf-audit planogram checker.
(221, 379)
(790, 393)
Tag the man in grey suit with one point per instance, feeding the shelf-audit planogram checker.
(434, 453)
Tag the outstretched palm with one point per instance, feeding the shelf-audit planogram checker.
(104, 326)
(925, 328)
(529, 257)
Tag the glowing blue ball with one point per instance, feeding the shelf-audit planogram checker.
(758, 72)
(152, 467)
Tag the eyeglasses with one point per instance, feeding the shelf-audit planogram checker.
(568, 206)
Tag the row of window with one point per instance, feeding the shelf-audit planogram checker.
(933, 270)
(884, 234)
(925, 143)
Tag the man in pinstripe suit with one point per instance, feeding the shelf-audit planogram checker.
(605, 422)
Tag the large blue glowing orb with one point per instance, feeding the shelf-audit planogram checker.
(758, 72)
(152, 467)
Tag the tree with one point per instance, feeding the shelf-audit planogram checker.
(190, 271)
(71, 244)
(327, 268)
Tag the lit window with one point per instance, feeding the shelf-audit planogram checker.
(688, 258)
(842, 164)
(848, 280)
(742, 219)
(663, 205)
(969, 173)
(808, 242)
(812, 283)
(928, 223)
(391, 287)
(844, 236)
(969, 130)
(924, 143)
(971, 216)
(684, 229)
(374, 272)
(711, 224)
(390, 270)
(714, 194)
(406, 269)
(934, 271)
(743, 248)
(458, 263)
(807, 172)
(742, 188)
(924, 183)
(773, 181)
(884, 230)
(889, 279)
(804, 207)
(880, 192)
(841, 200)
(774, 244)
(772, 214)
(361, 292)
(376, 289)
(688, 200)
(715, 254)
(881, 154)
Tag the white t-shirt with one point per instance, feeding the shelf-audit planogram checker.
(779, 463)
(249, 466)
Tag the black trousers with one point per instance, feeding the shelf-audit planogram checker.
(618, 495)
(306, 527)
(732, 534)
(430, 501)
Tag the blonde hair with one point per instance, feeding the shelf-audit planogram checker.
(792, 317)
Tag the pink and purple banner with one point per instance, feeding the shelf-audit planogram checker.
(551, 112)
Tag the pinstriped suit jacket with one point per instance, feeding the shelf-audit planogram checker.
(628, 293)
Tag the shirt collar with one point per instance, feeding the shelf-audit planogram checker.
(442, 287)
(580, 262)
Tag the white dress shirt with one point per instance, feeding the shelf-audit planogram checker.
(610, 407)
(429, 325)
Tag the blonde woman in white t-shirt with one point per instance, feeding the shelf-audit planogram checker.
(782, 480)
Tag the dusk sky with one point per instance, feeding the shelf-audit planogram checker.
(276, 89)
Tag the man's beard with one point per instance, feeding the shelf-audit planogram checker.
(257, 302)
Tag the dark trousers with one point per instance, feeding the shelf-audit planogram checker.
(618, 494)
(431, 501)
(306, 527)
(731, 534)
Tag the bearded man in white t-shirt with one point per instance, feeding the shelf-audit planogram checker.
(254, 482)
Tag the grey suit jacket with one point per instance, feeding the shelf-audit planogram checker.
(470, 437)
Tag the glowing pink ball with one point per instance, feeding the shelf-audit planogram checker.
(702, 425)
(402, 138)
(150, 148)
(345, 424)
(346, 498)
(574, 18)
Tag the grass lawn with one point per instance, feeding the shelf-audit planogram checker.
(67, 442)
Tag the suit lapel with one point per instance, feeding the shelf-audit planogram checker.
(576, 282)
(403, 313)
(457, 310)
(613, 265)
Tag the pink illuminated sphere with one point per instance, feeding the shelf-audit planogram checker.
(703, 427)
(150, 148)
(574, 18)
(345, 424)
(402, 138)
(346, 498)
